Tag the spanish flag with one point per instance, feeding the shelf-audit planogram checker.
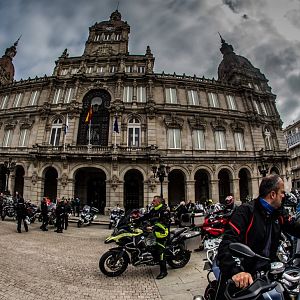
(89, 115)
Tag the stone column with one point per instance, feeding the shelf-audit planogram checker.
(215, 190)
(190, 190)
(236, 190)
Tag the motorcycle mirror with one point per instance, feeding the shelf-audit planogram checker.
(241, 250)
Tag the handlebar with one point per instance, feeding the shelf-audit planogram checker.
(257, 288)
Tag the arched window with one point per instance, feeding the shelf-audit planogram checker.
(134, 132)
(55, 132)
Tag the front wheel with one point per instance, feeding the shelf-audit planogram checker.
(79, 223)
(180, 259)
(113, 263)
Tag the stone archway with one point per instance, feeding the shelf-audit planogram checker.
(90, 187)
(274, 171)
(202, 188)
(176, 187)
(245, 184)
(133, 189)
(225, 184)
(2, 178)
(50, 183)
(19, 180)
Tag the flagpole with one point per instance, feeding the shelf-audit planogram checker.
(90, 133)
(65, 141)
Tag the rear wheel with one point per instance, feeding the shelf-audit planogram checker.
(113, 263)
(79, 223)
(180, 259)
(211, 290)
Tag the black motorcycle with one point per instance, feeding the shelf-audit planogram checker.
(9, 208)
(135, 246)
(114, 217)
(87, 216)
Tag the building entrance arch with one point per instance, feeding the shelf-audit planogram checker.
(225, 187)
(176, 187)
(202, 189)
(133, 189)
(50, 183)
(19, 180)
(90, 187)
(2, 178)
(245, 184)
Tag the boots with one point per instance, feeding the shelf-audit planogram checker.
(163, 270)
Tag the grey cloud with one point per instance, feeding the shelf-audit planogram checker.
(234, 5)
(294, 17)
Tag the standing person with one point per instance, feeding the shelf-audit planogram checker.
(44, 213)
(68, 210)
(159, 218)
(60, 211)
(258, 224)
(73, 206)
(77, 205)
(21, 213)
(1, 203)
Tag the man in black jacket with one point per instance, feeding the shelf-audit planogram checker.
(257, 224)
(21, 213)
(44, 213)
(159, 218)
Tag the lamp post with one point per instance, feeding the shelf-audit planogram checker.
(263, 169)
(161, 172)
(9, 167)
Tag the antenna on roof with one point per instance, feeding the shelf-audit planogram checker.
(118, 5)
(222, 40)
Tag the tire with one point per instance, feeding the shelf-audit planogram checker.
(79, 223)
(210, 291)
(181, 258)
(112, 266)
(2, 217)
(109, 226)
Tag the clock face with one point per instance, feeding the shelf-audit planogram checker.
(96, 101)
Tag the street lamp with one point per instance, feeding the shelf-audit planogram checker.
(263, 169)
(9, 167)
(161, 172)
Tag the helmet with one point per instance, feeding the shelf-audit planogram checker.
(229, 201)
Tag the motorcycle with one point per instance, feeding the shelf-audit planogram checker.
(114, 217)
(134, 246)
(87, 216)
(9, 208)
(32, 213)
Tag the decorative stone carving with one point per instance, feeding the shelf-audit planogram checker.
(218, 123)
(26, 123)
(73, 108)
(197, 122)
(64, 179)
(150, 109)
(45, 110)
(10, 124)
(172, 121)
(34, 177)
(114, 182)
(237, 126)
(152, 183)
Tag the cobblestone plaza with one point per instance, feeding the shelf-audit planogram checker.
(47, 265)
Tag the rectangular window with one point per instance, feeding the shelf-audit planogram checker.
(239, 141)
(24, 137)
(55, 136)
(220, 140)
(134, 137)
(74, 71)
(89, 70)
(100, 70)
(33, 98)
(117, 37)
(127, 94)
(69, 95)
(141, 94)
(4, 101)
(64, 72)
(141, 69)
(129, 69)
(213, 100)
(106, 37)
(56, 97)
(112, 69)
(199, 139)
(171, 96)
(256, 87)
(257, 108)
(231, 103)
(18, 99)
(97, 37)
(264, 109)
(174, 140)
(7, 138)
(193, 97)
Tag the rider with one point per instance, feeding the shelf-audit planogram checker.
(159, 218)
(257, 224)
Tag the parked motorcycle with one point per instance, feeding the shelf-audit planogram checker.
(134, 246)
(9, 208)
(87, 216)
(32, 212)
(114, 217)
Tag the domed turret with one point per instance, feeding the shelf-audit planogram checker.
(237, 69)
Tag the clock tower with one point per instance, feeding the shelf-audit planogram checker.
(108, 37)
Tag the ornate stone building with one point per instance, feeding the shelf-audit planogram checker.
(212, 134)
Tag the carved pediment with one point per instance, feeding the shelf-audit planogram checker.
(10, 124)
(26, 123)
(237, 126)
(172, 121)
(197, 122)
(218, 123)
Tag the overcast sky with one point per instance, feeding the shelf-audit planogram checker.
(182, 34)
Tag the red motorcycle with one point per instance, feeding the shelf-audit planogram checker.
(213, 228)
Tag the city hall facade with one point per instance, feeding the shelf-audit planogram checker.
(98, 125)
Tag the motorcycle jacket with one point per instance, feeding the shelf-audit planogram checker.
(252, 225)
(159, 218)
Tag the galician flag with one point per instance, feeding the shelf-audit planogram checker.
(89, 115)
